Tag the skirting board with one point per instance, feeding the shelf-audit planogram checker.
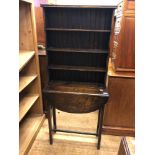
(118, 131)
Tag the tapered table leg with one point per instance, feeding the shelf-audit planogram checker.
(100, 126)
(50, 124)
(98, 122)
(54, 119)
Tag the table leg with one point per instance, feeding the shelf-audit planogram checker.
(100, 126)
(99, 112)
(54, 118)
(50, 125)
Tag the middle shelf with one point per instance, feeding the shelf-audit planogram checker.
(24, 81)
(75, 50)
(25, 104)
(24, 58)
(77, 68)
(75, 29)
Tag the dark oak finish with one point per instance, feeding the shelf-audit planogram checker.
(77, 68)
(79, 30)
(77, 50)
(76, 33)
(44, 76)
(80, 6)
(76, 97)
(77, 44)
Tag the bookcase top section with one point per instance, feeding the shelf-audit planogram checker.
(79, 6)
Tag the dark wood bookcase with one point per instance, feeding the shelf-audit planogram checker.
(77, 43)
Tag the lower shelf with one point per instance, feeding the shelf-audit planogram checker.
(77, 68)
(28, 131)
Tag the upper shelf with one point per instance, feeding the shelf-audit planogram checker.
(79, 6)
(78, 30)
(24, 58)
(27, 1)
(77, 50)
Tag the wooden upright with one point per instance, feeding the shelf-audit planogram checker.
(119, 118)
(30, 99)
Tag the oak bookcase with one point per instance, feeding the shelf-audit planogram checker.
(31, 114)
(77, 45)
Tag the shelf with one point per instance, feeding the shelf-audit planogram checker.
(75, 88)
(27, 1)
(25, 104)
(57, 5)
(24, 81)
(24, 58)
(28, 131)
(77, 68)
(79, 30)
(77, 50)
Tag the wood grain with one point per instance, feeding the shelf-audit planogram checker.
(29, 79)
(129, 6)
(126, 60)
(120, 109)
(24, 81)
(26, 41)
(123, 43)
(40, 25)
(25, 104)
(28, 131)
(76, 97)
(24, 58)
(38, 107)
(112, 73)
(118, 131)
(119, 117)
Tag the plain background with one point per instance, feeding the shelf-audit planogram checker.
(145, 77)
